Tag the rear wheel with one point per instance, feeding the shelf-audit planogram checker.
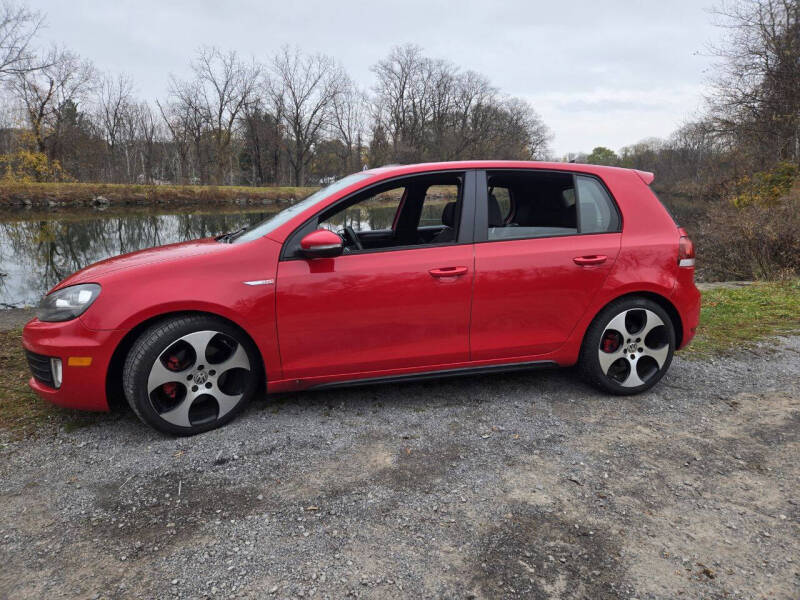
(628, 347)
(190, 374)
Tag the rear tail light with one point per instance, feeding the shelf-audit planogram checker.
(685, 251)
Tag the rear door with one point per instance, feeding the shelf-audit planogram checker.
(545, 243)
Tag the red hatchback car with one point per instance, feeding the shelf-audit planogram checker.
(391, 274)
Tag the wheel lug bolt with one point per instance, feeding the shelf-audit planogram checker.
(194, 388)
(189, 378)
(212, 372)
(641, 349)
(199, 367)
(208, 385)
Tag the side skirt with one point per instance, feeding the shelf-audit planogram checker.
(465, 371)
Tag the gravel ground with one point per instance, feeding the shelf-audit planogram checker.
(528, 485)
(14, 318)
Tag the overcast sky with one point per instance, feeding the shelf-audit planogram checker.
(608, 72)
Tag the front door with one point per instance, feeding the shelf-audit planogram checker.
(399, 298)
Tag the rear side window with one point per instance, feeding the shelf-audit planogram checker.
(596, 210)
(530, 204)
(503, 198)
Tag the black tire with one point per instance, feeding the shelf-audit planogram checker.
(154, 341)
(663, 338)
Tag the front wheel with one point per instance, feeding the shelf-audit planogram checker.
(190, 374)
(628, 347)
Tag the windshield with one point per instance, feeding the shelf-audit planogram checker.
(272, 223)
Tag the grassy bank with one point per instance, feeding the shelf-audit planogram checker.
(54, 195)
(731, 320)
(736, 318)
(21, 411)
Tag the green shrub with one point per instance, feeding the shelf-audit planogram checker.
(766, 188)
(752, 240)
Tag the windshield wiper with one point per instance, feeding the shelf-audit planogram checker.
(230, 236)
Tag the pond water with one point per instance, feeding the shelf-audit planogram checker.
(37, 250)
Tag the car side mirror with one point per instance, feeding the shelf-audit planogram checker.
(321, 243)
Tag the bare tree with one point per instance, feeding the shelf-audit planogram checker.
(45, 93)
(114, 104)
(465, 125)
(263, 139)
(175, 117)
(18, 27)
(523, 119)
(756, 95)
(147, 132)
(401, 99)
(430, 110)
(303, 90)
(224, 84)
(348, 122)
(191, 116)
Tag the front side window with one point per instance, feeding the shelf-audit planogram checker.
(271, 223)
(374, 213)
(437, 197)
(414, 211)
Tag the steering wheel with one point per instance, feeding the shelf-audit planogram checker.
(351, 233)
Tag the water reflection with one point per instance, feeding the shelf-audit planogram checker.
(38, 251)
(373, 216)
(35, 254)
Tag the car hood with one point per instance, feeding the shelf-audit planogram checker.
(172, 252)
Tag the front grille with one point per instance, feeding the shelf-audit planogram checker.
(40, 367)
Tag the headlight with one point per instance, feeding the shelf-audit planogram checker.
(68, 303)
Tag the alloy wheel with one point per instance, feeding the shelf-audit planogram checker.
(634, 347)
(198, 378)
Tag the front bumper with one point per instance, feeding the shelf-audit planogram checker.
(82, 387)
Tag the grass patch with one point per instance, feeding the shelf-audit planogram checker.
(736, 318)
(81, 194)
(21, 411)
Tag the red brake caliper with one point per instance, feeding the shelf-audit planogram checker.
(609, 342)
(171, 388)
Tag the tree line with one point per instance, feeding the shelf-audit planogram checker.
(290, 119)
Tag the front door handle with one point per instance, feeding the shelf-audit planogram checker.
(448, 271)
(593, 259)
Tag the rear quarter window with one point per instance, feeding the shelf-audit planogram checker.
(597, 212)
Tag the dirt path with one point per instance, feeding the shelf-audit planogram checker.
(518, 486)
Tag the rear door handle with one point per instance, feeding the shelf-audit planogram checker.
(593, 259)
(448, 271)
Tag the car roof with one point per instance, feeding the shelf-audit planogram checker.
(600, 170)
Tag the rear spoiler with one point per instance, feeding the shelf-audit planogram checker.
(645, 176)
